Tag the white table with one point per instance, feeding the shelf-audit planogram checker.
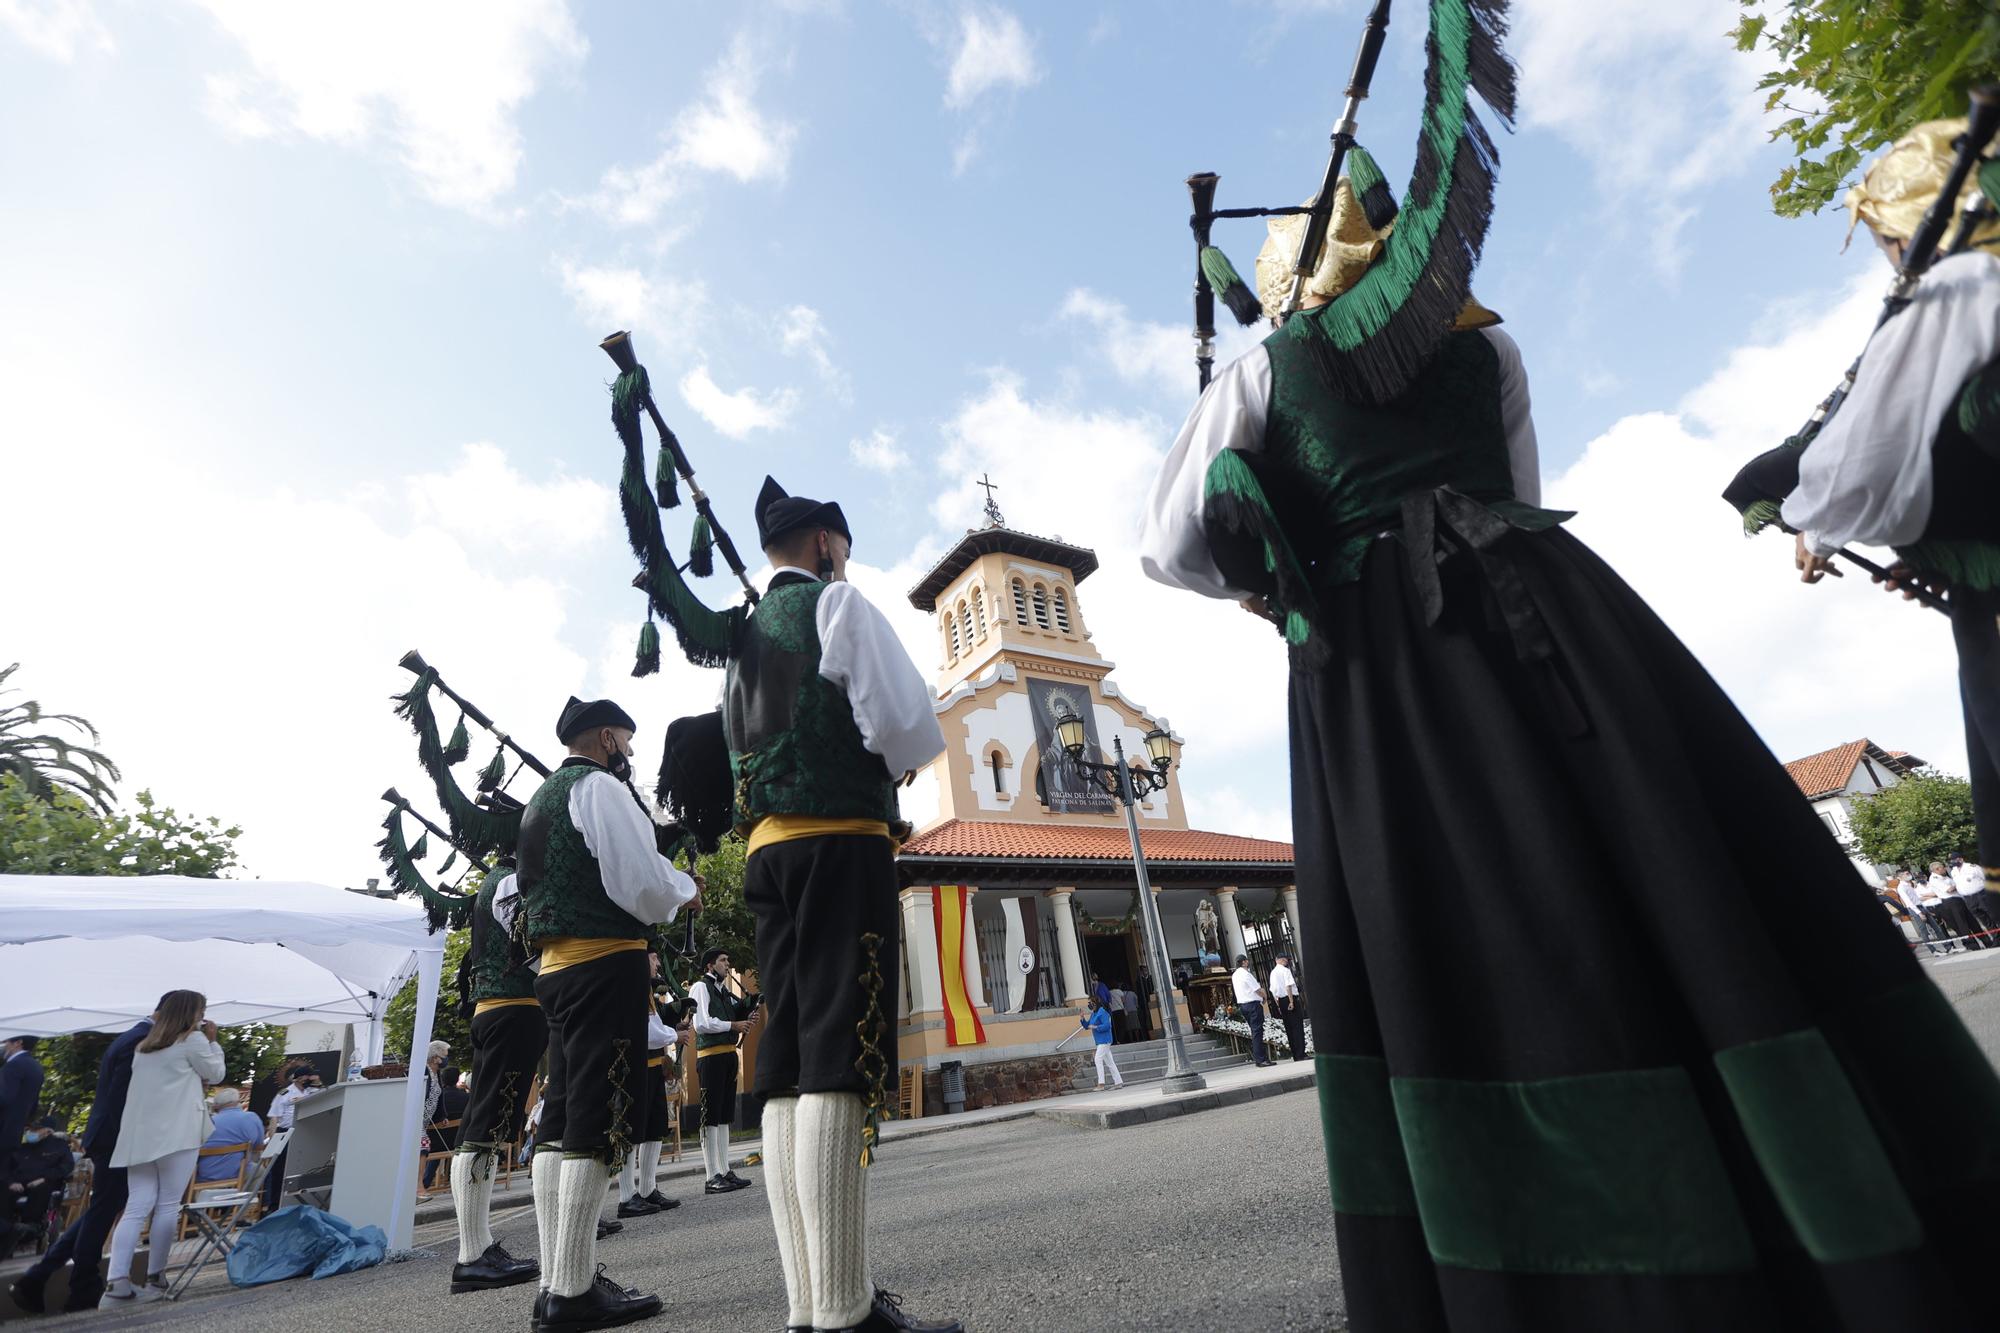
(358, 1128)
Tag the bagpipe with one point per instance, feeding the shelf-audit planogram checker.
(1759, 489)
(695, 787)
(1369, 342)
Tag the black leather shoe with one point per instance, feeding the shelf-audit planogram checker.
(27, 1296)
(736, 1180)
(84, 1293)
(603, 1304)
(886, 1316)
(494, 1268)
(721, 1185)
(541, 1304)
(661, 1201)
(637, 1206)
(605, 1228)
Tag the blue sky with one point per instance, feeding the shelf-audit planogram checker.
(298, 363)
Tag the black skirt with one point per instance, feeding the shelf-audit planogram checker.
(1610, 1033)
(507, 1044)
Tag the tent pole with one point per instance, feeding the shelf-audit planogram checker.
(403, 1218)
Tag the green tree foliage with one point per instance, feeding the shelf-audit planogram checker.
(1855, 74)
(60, 834)
(47, 763)
(446, 1025)
(1924, 818)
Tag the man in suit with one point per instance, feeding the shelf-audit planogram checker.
(83, 1243)
(20, 1088)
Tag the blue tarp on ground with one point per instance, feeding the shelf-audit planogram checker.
(303, 1240)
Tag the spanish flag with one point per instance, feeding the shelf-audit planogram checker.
(961, 1019)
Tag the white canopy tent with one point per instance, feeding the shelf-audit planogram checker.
(94, 954)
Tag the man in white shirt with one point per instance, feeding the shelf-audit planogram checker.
(1285, 998)
(283, 1107)
(1971, 882)
(1928, 928)
(639, 1183)
(592, 886)
(1954, 911)
(1250, 999)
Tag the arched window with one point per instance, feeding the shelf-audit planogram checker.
(979, 613)
(951, 632)
(965, 624)
(1020, 603)
(999, 780)
(1041, 607)
(1062, 611)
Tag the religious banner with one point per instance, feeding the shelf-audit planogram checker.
(1062, 788)
(961, 1016)
(1023, 953)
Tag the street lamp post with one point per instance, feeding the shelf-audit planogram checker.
(1128, 783)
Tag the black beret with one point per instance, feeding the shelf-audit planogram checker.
(708, 956)
(579, 717)
(779, 515)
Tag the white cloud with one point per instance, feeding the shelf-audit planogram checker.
(736, 414)
(57, 29)
(879, 452)
(1810, 667)
(802, 332)
(724, 133)
(613, 297)
(247, 674)
(1698, 120)
(1157, 357)
(992, 51)
(440, 82)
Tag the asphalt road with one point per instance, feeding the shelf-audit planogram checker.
(1026, 1225)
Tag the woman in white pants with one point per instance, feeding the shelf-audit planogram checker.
(165, 1122)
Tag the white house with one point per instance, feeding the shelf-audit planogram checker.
(1831, 779)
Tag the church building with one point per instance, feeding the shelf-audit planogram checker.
(1021, 895)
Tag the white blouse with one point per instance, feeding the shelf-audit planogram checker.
(165, 1107)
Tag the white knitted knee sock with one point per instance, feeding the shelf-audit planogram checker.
(545, 1176)
(628, 1177)
(472, 1197)
(832, 1192)
(649, 1168)
(581, 1200)
(722, 1149)
(787, 1218)
(709, 1158)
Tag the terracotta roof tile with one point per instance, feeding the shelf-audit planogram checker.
(974, 837)
(1827, 772)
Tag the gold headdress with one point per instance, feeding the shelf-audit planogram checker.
(1352, 244)
(1895, 193)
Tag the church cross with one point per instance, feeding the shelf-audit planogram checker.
(993, 515)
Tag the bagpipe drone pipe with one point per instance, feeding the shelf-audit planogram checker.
(1372, 339)
(1759, 488)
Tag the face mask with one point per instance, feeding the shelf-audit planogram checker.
(34, 1138)
(620, 766)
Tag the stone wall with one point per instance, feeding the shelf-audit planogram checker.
(1005, 1082)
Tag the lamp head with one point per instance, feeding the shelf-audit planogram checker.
(1069, 732)
(1160, 748)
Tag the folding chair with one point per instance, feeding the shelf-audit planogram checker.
(442, 1156)
(217, 1238)
(196, 1187)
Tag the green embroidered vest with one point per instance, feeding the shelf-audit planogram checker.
(794, 748)
(725, 1006)
(499, 964)
(1337, 472)
(562, 887)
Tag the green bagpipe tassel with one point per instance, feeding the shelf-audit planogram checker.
(1370, 342)
(665, 483)
(701, 551)
(442, 910)
(478, 831)
(1759, 515)
(422, 851)
(459, 745)
(1365, 178)
(1228, 284)
(449, 862)
(495, 772)
(649, 649)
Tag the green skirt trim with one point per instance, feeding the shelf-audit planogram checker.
(1623, 1172)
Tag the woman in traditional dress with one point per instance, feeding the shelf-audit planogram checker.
(1554, 1095)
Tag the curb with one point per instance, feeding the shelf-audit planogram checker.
(1167, 1108)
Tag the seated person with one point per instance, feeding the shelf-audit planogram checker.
(30, 1177)
(234, 1127)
